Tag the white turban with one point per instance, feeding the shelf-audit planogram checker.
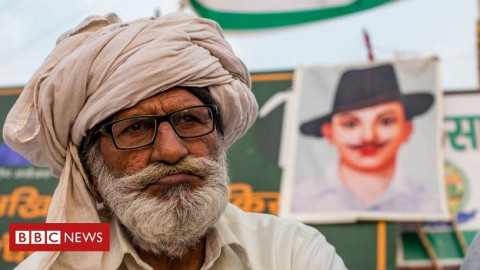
(103, 66)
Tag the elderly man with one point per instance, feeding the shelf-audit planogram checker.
(135, 119)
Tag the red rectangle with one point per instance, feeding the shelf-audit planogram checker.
(59, 236)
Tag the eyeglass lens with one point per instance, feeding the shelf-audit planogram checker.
(141, 130)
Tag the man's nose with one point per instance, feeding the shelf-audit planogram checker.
(168, 147)
(369, 133)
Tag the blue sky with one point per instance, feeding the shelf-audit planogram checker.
(405, 28)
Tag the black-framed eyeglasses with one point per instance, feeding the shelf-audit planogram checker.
(141, 130)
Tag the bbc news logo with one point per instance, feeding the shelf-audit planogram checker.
(59, 237)
(37, 237)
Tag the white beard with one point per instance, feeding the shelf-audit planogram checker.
(176, 218)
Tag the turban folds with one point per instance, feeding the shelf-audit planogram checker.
(104, 66)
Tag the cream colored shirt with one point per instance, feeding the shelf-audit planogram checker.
(241, 240)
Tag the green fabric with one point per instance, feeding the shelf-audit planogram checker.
(243, 20)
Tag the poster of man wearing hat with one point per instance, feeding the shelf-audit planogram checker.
(366, 144)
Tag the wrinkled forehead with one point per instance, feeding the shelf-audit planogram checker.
(162, 103)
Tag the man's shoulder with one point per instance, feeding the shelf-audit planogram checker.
(259, 222)
(279, 243)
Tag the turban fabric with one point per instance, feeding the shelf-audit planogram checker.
(103, 66)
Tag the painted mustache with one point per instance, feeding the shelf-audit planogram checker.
(368, 148)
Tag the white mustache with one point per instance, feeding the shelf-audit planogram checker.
(200, 167)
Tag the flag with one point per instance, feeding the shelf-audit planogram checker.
(257, 14)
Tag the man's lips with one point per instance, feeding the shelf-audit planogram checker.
(174, 180)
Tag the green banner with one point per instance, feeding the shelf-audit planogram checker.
(256, 20)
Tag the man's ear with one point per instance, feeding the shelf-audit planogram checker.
(408, 130)
(326, 129)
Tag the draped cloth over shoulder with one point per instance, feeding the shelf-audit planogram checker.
(101, 67)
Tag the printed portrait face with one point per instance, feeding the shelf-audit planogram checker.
(368, 139)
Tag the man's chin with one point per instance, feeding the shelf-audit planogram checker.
(172, 222)
(168, 245)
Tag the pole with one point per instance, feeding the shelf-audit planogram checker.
(366, 38)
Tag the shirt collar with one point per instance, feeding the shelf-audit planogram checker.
(120, 246)
(222, 236)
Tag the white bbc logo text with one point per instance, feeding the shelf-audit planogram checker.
(37, 237)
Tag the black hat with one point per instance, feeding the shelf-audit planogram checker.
(360, 88)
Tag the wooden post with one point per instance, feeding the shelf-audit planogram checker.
(426, 244)
(460, 239)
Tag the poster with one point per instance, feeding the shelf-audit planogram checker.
(365, 144)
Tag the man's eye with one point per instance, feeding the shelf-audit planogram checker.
(138, 126)
(388, 121)
(190, 118)
(193, 118)
(349, 124)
